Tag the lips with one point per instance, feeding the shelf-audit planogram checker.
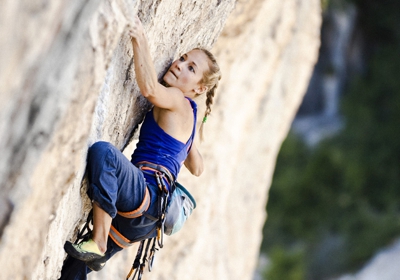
(173, 74)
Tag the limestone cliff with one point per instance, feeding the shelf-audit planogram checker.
(66, 81)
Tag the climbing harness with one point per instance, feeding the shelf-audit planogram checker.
(139, 263)
(174, 206)
(153, 169)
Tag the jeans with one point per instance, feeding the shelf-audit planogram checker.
(115, 184)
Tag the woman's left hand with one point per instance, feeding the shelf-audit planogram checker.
(135, 28)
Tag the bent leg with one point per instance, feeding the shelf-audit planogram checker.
(115, 183)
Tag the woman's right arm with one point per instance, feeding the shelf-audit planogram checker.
(194, 161)
(146, 75)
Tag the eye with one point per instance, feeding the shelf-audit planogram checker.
(181, 58)
(191, 69)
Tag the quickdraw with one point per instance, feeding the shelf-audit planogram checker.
(139, 263)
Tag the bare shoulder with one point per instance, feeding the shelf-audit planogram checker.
(177, 122)
(177, 106)
(169, 98)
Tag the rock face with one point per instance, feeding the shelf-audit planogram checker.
(66, 81)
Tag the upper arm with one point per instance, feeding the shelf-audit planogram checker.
(164, 97)
(146, 77)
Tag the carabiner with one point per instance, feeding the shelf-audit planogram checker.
(152, 254)
(159, 180)
(160, 236)
(141, 270)
(151, 260)
(134, 275)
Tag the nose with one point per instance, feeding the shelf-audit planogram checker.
(179, 64)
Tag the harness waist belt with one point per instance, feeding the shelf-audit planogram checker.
(145, 165)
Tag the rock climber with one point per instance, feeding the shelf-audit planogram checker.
(166, 140)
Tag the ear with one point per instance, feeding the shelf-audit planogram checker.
(200, 90)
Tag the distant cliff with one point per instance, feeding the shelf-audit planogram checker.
(66, 81)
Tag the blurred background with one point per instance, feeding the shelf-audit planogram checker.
(335, 196)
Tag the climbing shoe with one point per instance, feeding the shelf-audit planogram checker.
(85, 251)
(96, 265)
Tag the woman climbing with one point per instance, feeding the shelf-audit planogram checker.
(119, 187)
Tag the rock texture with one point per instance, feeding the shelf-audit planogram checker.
(66, 81)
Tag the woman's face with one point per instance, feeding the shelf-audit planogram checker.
(186, 72)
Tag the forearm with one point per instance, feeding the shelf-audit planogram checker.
(146, 75)
(194, 162)
(144, 68)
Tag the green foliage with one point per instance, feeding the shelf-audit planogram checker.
(379, 20)
(286, 265)
(348, 186)
(324, 4)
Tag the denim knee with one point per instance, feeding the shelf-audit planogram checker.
(99, 148)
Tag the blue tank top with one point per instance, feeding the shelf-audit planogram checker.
(158, 147)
